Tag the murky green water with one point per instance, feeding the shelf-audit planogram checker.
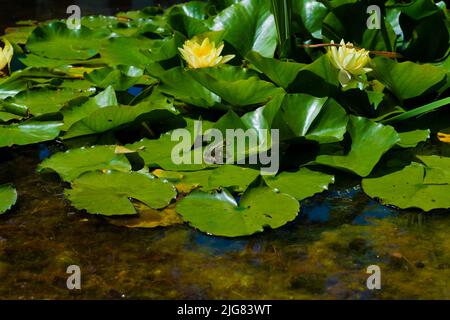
(323, 254)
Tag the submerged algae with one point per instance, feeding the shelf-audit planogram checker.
(309, 258)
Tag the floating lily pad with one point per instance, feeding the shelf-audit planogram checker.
(138, 51)
(28, 132)
(8, 197)
(186, 181)
(75, 113)
(72, 163)
(283, 73)
(19, 34)
(227, 83)
(113, 117)
(370, 141)
(407, 79)
(56, 40)
(109, 193)
(410, 188)
(158, 153)
(301, 184)
(120, 77)
(253, 16)
(180, 84)
(43, 100)
(438, 169)
(411, 139)
(6, 116)
(233, 177)
(219, 214)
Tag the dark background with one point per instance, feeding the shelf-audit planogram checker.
(15, 10)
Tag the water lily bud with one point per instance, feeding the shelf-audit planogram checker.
(6, 54)
(350, 61)
(202, 54)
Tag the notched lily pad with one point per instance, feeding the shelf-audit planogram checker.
(301, 184)
(416, 186)
(8, 197)
(230, 176)
(56, 40)
(370, 141)
(110, 193)
(219, 214)
(74, 162)
(411, 139)
(28, 132)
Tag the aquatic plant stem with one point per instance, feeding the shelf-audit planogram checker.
(419, 111)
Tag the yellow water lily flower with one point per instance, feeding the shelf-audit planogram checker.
(202, 54)
(350, 61)
(6, 54)
(443, 137)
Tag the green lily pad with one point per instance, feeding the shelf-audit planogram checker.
(219, 214)
(114, 117)
(109, 193)
(19, 34)
(74, 162)
(301, 184)
(253, 16)
(408, 188)
(234, 177)
(407, 79)
(330, 125)
(186, 181)
(158, 153)
(120, 78)
(180, 84)
(6, 116)
(28, 132)
(235, 86)
(411, 139)
(437, 171)
(8, 197)
(297, 114)
(319, 119)
(33, 60)
(43, 100)
(139, 51)
(27, 78)
(56, 40)
(75, 113)
(319, 78)
(370, 141)
(312, 13)
(283, 73)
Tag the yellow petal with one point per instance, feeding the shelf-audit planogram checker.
(204, 54)
(344, 77)
(443, 137)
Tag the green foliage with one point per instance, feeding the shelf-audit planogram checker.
(113, 91)
(219, 214)
(301, 184)
(74, 162)
(109, 193)
(416, 186)
(253, 16)
(369, 142)
(8, 197)
(56, 40)
(28, 132)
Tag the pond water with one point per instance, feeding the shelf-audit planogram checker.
(323, 254)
